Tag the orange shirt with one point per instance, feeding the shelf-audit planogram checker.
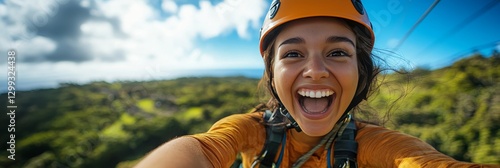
(377, 146)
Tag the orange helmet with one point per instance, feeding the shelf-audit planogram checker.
(283, 11)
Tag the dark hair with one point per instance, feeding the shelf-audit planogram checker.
(367, 68)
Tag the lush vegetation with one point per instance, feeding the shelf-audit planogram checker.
(456, 109)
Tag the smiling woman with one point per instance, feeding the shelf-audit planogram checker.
(315, 55)
(319, 67)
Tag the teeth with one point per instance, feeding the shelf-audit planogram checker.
(318, 94)
(315, 93)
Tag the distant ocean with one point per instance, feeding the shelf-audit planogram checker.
(250, 73)
(24, 84)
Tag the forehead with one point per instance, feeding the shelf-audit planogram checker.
(317, 26)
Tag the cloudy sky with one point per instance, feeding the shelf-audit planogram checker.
(90, 40)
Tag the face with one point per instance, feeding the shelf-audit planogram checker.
(315, 71)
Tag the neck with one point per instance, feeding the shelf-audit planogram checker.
(306, 139)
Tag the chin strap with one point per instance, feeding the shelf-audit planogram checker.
(281, 108)
(293, 123)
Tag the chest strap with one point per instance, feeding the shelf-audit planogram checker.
(346, 148)
(345, 151)
(274, 135)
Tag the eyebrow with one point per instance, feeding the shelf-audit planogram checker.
(337, 39)
(294, 40)
(331, 39)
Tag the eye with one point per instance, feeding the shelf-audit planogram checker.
(338, 53)
(291, 54)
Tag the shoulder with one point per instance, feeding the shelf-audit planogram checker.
(379, 146)
(231, 135)
(248, 121)
(382, 147)
(368, 131)
(374, 136)
(241, 131)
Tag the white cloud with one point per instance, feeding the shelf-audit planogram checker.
(85, 3)
(143, 38)
(101, 41)
(96, 29)
(172, 40)
(392, 43)
(145, 33)
(20, 24)
(169, 6)
(37, 46)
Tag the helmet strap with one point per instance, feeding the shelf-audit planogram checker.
(293, 123)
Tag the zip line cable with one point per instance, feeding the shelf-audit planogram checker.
(464, 53)
(474, 49)
(466, 21)
(416, 24)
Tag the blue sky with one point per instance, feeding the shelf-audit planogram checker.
(446, 33)
(436, 42)
(443, 37)
(115, 40)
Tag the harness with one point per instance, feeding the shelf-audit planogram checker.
(345, 151)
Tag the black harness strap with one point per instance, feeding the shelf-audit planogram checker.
(274, 135)
(345, 151)
(346, 147)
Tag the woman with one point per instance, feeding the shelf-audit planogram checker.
(318, 68)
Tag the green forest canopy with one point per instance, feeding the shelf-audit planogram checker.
(456, 109)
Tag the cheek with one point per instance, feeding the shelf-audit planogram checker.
(280, 76)
(348, 78)
(283, 80)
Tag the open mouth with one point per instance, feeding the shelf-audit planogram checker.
(315, 101)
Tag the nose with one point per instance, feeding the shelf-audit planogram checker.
(315, 68)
